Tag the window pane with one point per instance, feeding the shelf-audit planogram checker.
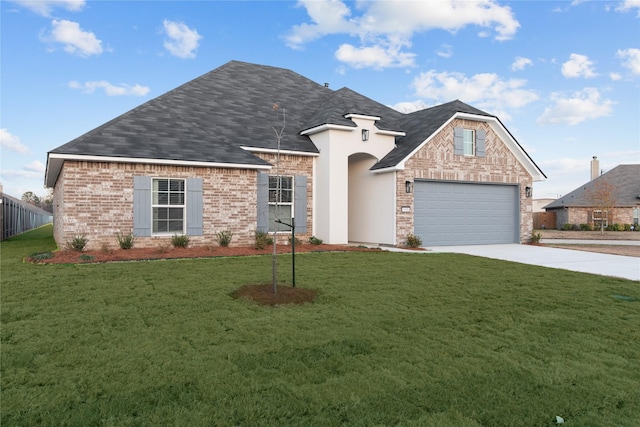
(176, 199)
(284, 214)
(175, 213)
(468, 136)
(175, 226)
(160, 185)
(160, 213)
(177, 185)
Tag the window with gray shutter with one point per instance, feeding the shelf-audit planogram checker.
(194, 207)
(142, 206)
(458, 141)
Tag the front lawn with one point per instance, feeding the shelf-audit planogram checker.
(392, 339)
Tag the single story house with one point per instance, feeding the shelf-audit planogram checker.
(202, 158)
(610, 198)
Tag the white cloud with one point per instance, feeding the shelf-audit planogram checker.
(45, 7)
(615, 76)
(445, 51)
(35, 166)
(384, 27)
(631, 59)
(487, 90)
(12, 142)
(583, 105)
(628, 5)
(75, 40)
(377, 57)
(327, 16)
(182, 41)
(410, 107)
(110, 89)
(578, 66)
(520, 63)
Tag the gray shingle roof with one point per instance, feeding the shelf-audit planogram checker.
(209, 119)
(419, 125)
(625, 179)
(345, 101)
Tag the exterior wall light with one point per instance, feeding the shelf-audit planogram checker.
(365, 134)
(528, 191)
(408, 186)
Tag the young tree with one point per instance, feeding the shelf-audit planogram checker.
(277, 126)
(602, 195)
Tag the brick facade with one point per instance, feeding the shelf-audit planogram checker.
(437, 161)
(584, 215)
(96, 200)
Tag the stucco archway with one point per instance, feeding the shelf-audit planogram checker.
(371, 207)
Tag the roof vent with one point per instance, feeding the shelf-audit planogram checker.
(326, 85)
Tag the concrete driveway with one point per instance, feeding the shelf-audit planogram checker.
(586, 262)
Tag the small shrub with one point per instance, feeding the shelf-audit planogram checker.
(413, 241)
(41, 256)
(567, 227)
(586, 227)
(298, 241)
(78, 243)
(535, 238)
(180, 240)
(262, 239)
(105, 249)
(614, 227)
(163, 249)
(126, 240)
(224, 238)
(86, 257)
(627, 227)
(315, 241)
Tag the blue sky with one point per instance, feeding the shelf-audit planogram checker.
(564, 77)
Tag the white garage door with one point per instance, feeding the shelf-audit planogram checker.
(451, 213)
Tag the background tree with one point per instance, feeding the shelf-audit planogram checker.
(31, 198)
(602, 195)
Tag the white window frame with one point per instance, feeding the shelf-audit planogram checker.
(600, 215)
(286, 200)
(157, 204)
(469, 142)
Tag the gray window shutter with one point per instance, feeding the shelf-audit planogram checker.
(194, 207)
(480, 150)
(458, 142)
(142, 206)
(300, 203)
(263, 202)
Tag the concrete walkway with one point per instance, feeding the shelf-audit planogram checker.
(625, 267)
(591, 242)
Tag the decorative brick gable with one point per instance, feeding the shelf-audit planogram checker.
(436, 161)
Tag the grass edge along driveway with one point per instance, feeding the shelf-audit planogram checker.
(393, 339)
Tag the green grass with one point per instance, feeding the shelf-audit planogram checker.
(393, 339)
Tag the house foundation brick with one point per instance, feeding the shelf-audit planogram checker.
(95, 199)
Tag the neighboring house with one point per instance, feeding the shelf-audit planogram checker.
(202, 159)
(593, 203)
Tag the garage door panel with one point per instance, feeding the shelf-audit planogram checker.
(465, 213)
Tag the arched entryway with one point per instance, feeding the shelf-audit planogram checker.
(371, 202)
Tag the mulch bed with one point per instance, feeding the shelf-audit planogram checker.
(144, 254)
(285, 294)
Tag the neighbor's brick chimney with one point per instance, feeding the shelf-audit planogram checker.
(595, 168)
